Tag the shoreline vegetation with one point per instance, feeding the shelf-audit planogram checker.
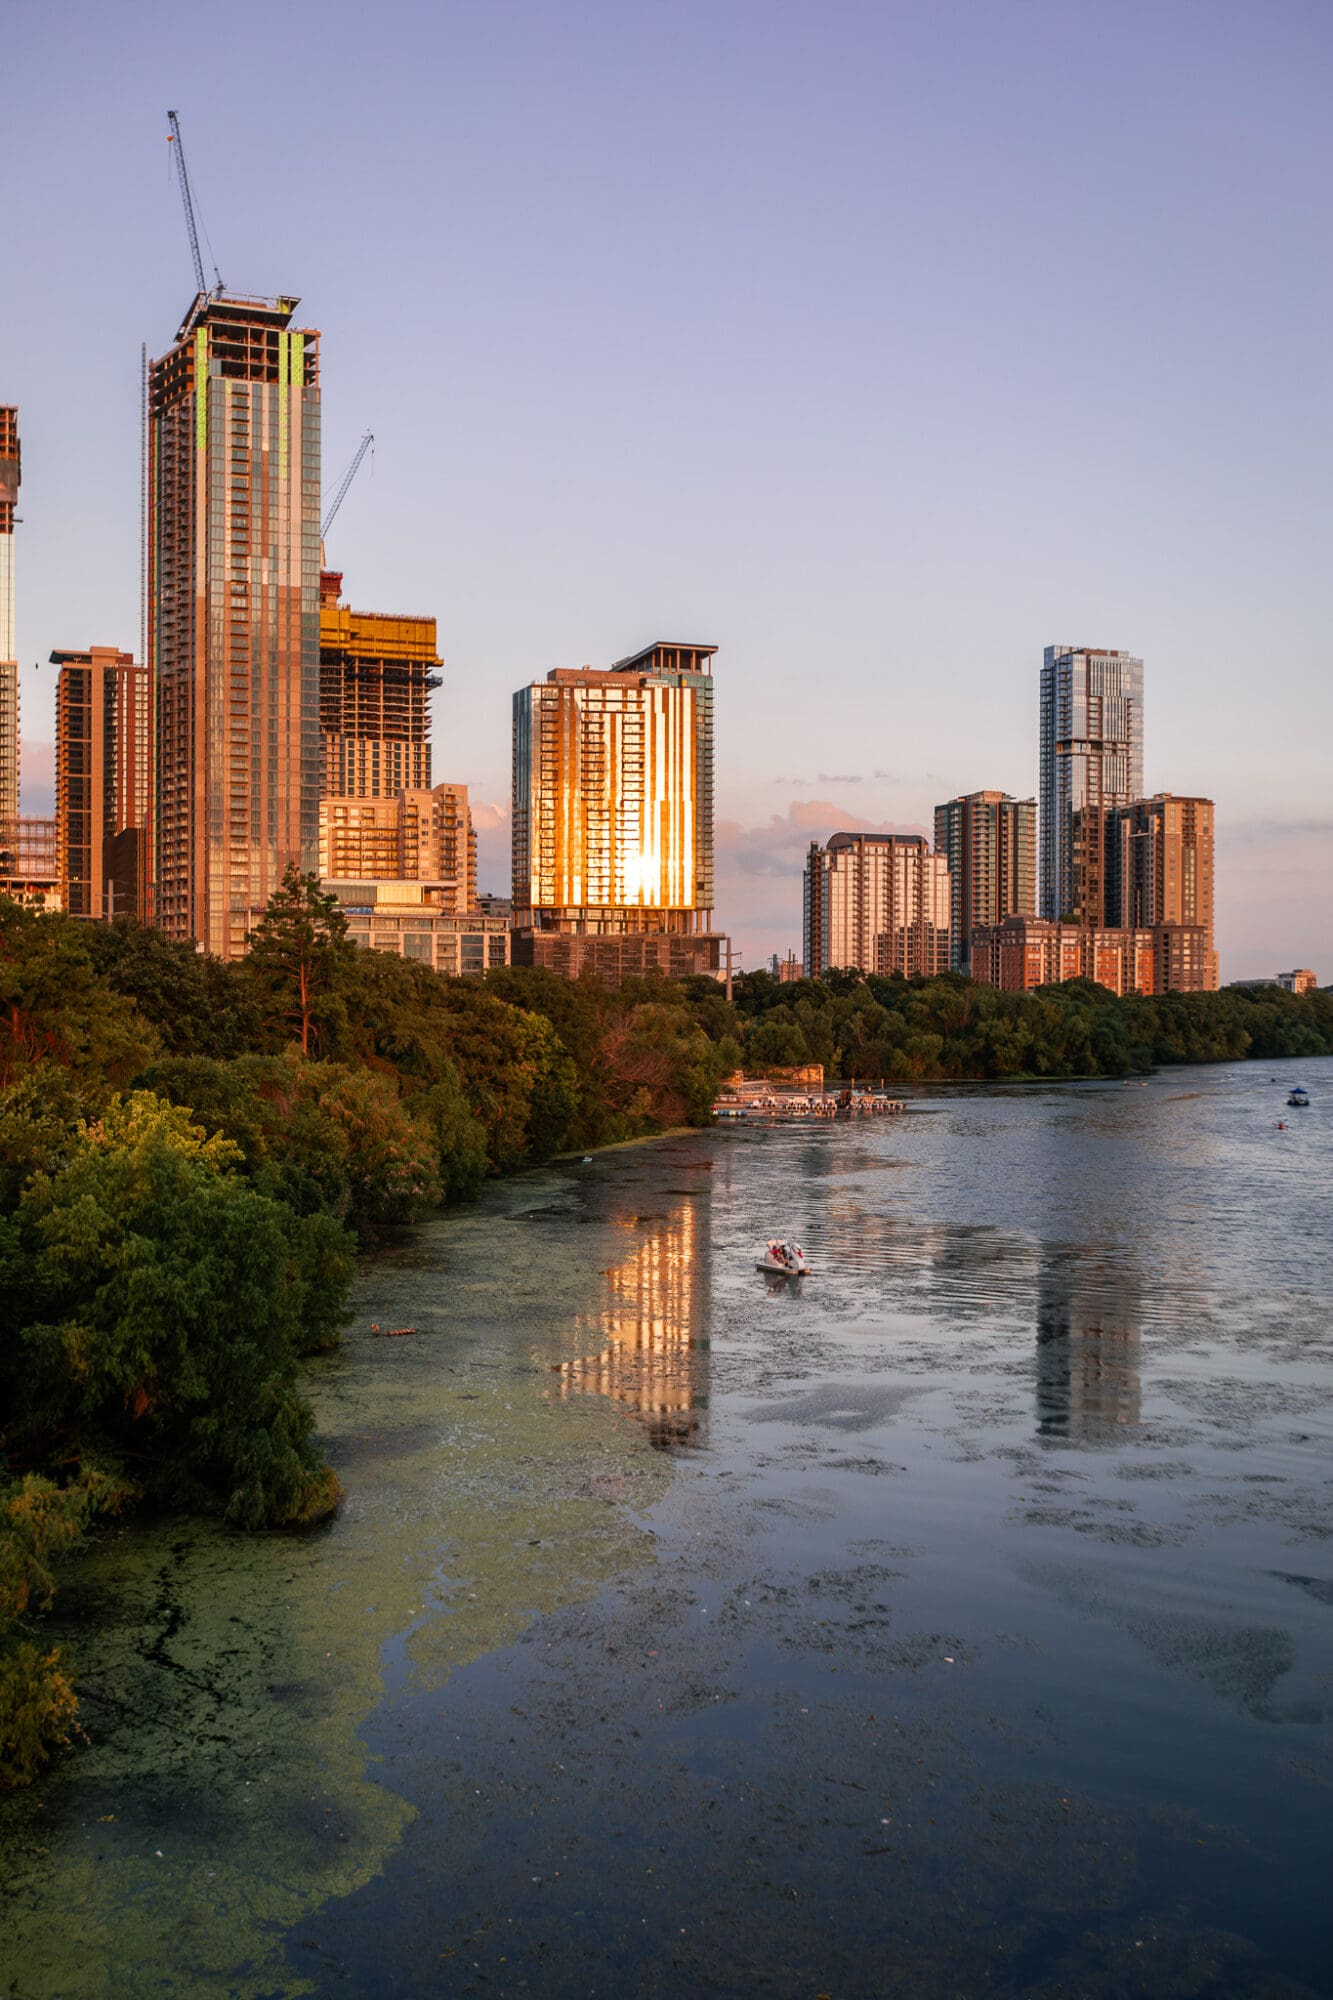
(191, 1154)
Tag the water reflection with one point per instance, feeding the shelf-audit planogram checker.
(652, 1330)
(1089, 1341)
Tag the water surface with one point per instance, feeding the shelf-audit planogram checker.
(957, 1621)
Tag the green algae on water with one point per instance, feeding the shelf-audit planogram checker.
(224, 1792)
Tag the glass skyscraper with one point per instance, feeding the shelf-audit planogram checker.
(233, 613)
(1091, 758)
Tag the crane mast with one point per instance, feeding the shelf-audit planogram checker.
(345, 482)
(187, 201)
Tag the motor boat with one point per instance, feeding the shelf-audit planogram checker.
(784, 1260)
(1299, 1098)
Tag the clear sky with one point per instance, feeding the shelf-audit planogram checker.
(878, 344)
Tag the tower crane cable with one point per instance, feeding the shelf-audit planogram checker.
(345, 482)
(187, 201)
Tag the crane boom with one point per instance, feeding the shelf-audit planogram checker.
(345, 482)
(187, 200)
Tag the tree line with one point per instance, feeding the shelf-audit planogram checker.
(191, 1153)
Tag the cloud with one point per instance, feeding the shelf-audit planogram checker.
(778, 847)
(487, 816)
(37, 778)
(847, 778)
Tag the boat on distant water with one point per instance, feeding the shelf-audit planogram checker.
(1299, 1098)
(784, 1260)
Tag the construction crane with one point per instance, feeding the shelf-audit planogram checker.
(183, 176)
(347, 478)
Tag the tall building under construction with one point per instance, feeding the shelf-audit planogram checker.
(10, 472)
(233, 612)
(377, 671)
(613, 815)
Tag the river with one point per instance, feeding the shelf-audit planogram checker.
(958, 1621)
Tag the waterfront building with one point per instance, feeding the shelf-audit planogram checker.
(233, 613)
(1023, 953)
(613, 816)
(877, 902)
(29, 868)
(990, 843)
(417, 920)
(11, 471)
(1091, 750)
(103, 782)
(419, 836)
(495, 906)
(377, 671)
(1159, 871)
(1302, 980)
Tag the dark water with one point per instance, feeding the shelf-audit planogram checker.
(959, 1621)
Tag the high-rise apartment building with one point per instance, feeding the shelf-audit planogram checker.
(421, 836)
(990, 843)
(377, 671)
(877, 902)
(613, 814)
(233, 612)
(10, 474)
(103, 782)
(1158, 856)
(1091, 759)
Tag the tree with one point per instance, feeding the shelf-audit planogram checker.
(159, 1307)
(55, 1010)
(298, 950)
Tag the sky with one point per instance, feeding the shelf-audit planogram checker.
(879, 345)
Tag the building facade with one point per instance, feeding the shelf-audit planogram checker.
(1302, 980)
(29, 866)
(1023, 953)
(613, 807)
(877, 902)
(233, 613)
(103, 782)
(1158, 856)
(11, 469)
(415, 920)
(420, 836)
(377, 671)
(1091, 739)
(990, 843)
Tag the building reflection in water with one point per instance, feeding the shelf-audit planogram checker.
(1089, 1341)
(651, 1333)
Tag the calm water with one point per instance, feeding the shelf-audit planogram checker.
(957, 1622)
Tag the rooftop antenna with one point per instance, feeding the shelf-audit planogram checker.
(187, 199)
(347, 478)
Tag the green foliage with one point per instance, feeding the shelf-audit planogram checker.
(55, 1010)
(39, 1520)
(195, 1004)
(298, 955)
(908, 1030)
(161, 1304)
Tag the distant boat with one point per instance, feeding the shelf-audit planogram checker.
(1299, 1098)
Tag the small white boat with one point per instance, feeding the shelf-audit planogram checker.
(1299, 1098)
(784, 1260)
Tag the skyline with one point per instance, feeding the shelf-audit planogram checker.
(921, 394)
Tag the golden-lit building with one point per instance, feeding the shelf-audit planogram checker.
(103, 782)
(1159, 873)
(990, 843)
(877, 902)
(650, 1335)
(1302, 980)
(419, 836)
(233, 613)
(29, 868)
(1026, 952)
(416, 920)
(377, 671)
(613, 815)
(10, 475)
